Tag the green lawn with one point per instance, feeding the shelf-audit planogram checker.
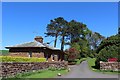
(42, 74)
(46, 74)
(91, 62)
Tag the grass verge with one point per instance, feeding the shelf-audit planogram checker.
(91, 63)
(46, 74)
(79, 61)
(38, 74)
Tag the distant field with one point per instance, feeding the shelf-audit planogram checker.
(4, 52)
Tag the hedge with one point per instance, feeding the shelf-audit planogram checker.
(21, 59)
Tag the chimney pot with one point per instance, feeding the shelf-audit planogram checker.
(39, 39)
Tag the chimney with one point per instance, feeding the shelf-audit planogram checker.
(38, 39)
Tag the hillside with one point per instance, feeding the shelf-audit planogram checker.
(4, 52)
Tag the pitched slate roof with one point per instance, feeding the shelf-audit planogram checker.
(33, 44)
(28, 44)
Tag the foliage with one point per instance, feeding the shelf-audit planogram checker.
(75, 34)
(95, 39)
(92, 54)
(72, 50)
(75, 46)
(72, 54)
(57, 27)
(109, 48)
(84, 48)
(113, 40)
(72, 30)
(21, 59)
(76, 50)
(76, 31)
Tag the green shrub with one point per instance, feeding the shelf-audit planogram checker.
(21, 59)
(109, 48)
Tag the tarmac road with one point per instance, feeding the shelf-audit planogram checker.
(83, 71)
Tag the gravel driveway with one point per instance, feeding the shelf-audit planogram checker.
(82, 71)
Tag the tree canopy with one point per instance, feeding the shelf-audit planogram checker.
(75, 34)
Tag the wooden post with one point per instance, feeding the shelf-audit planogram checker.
(58, 57)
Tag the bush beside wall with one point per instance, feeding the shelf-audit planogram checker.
(21, 59)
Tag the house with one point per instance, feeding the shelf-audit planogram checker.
(36, 49)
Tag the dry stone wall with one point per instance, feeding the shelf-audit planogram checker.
(113, 66)
(11, 69)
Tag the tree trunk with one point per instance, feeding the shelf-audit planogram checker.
(72, 37)
(55, 40)
(62, 44)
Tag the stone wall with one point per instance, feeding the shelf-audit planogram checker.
(114, 66)
(11, 69)
(17, 54)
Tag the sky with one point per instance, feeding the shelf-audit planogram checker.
(22, 21)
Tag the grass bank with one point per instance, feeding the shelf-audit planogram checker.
(91, 64)
(79, 61)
